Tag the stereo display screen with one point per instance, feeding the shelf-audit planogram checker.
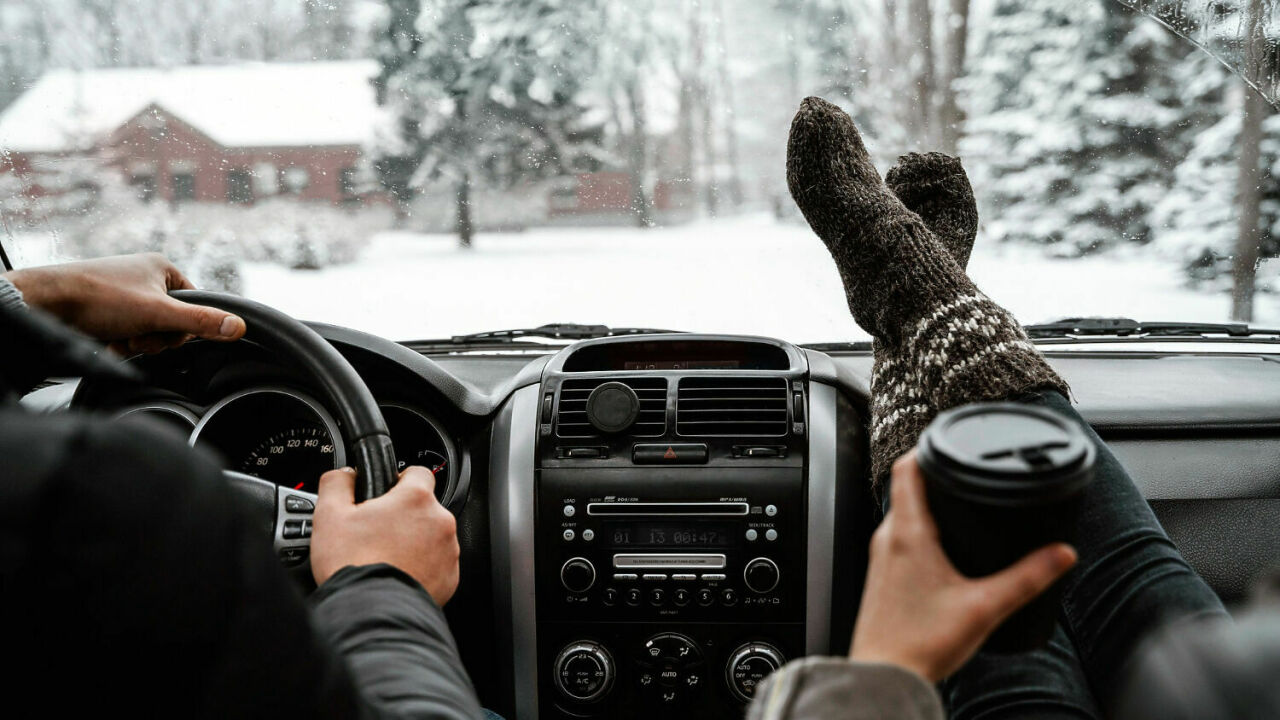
(684, 535)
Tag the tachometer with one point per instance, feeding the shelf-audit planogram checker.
(295, 458)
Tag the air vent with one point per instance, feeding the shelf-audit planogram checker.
(732, 406)
(571, 420)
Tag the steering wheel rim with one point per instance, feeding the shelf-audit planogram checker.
(367, 439)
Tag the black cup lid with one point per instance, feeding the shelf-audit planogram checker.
(1006, 454)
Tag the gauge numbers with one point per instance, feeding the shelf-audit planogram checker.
(294, 458)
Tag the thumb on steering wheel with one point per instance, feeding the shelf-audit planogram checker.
(200, 320)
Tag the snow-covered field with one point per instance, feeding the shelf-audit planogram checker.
(738, 275)
(747, 274)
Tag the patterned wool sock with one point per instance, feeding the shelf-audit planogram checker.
(935, 187)
(902, 284)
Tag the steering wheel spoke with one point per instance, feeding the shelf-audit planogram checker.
(285, 515)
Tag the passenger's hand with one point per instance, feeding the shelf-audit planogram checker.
(918, 611)
(407, 528)
(124, 301)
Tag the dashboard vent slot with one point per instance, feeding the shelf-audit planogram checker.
(732, 406)
(571, 416)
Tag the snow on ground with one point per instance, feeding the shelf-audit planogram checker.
(746, 274)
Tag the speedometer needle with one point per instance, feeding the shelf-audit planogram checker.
(299, 485)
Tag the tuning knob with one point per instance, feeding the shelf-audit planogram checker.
(612, 407)
(578, 575)
(750, 664)
(583, 671)
(761, 575)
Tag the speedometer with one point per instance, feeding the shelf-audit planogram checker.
(274, 433)
(294, 458)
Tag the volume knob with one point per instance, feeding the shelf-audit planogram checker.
(578, 575)
(761, 575)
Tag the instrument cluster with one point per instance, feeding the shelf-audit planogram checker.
(283, 435)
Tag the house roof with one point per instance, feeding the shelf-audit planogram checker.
(242, 105)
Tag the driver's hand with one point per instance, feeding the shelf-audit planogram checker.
(407, 528)
(124, 301)
(919, 612)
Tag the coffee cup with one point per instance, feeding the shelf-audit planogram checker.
(1002, 480)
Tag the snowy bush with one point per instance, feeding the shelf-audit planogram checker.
(89, 211)
(434, 209)
(215, 264)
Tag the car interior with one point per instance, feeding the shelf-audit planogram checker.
(656, 521)
(653, 521)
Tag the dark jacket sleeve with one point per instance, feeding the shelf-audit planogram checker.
(396, 642)
(130, 568)
(821, 688)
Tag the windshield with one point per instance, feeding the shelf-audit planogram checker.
(425, 168)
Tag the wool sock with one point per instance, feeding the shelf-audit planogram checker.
(902, 284)
(935, 187)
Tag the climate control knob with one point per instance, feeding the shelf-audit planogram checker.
(761, 575)
(584, 671)
(749, 665)
(578, 575)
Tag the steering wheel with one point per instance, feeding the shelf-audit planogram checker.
(287, 512)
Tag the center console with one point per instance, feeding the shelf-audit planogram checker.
(673, 502)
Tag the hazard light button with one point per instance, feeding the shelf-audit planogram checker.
(669, 453)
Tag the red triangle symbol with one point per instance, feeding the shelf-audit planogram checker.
(670, 454)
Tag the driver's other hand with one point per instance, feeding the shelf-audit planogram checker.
(124, 301)
(919, 612)
(407, 528)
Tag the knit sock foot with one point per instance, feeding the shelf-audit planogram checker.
(935, 187)
(893, 269)
(902, 283)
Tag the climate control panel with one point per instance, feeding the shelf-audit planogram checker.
(691, 671)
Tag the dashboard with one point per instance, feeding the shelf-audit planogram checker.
(653, 523)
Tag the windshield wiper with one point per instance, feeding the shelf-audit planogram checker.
(1127, 327)
(553, 331)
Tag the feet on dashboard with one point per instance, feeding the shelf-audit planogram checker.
(901, 248)
(935, 187)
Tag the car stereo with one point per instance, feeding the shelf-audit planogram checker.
(670, 527)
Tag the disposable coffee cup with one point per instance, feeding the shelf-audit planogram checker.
(1004, 479)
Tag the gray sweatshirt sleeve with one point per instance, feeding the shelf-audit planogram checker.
(822, 688)
(10, 296)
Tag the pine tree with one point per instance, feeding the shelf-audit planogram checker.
(1074, 122)
(398, 144)
(481, 92)
(1196, 221)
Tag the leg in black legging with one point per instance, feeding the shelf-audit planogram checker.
(1048, 683)
(1130, 580)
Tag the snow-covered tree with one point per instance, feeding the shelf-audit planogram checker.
(644, 46)
(481, 92)
(1197, 220)
(1075, 122)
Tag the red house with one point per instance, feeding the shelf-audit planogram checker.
(229, 133)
